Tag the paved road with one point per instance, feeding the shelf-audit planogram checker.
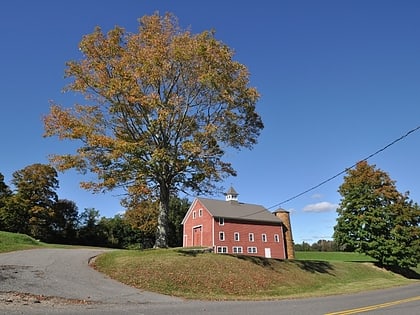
(29, 278)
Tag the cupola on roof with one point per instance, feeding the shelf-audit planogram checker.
(231, 194)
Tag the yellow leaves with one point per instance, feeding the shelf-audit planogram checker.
(139, 189)
(143, 216)
(67, 161)
(165, 101)
(100, 141)
(71, 124)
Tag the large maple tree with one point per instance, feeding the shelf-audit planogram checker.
(162, 106)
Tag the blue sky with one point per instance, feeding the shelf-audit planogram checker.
(339, 80)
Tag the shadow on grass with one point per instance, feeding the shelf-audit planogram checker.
(405, 272)
(314, 266)
(194, 251)
(260, 261)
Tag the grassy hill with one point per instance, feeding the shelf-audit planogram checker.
(13, 241)
(233, 277)
(196, 275)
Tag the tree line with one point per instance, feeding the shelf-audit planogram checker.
(318, 246)
(33, 207)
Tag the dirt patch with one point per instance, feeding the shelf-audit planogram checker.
(17, 298)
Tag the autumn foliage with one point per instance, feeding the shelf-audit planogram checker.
(162, 106)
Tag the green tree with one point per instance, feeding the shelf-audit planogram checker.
(178, 209)
(165, 105)
(14, 216)
(304, 247)
(324, 246)
(5, 195)
(121, 234)
(90, 233)
(377, 220)
(64, 222)
(35, 197)
(5, 191)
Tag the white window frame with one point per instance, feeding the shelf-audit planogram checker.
(276, 238)
(222, 249)
(194, 214)
(221, 221)
(236, 237)
(237, 250)
(222, 236)
(251, 250)
(264, 238)
(251, 237)
(200, 212)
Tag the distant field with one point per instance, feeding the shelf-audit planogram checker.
(333, 256)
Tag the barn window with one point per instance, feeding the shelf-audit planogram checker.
(264, 237)
(237, 249)
(221, 221)
(222, 249)
(200, 212)
(251, 237)
(221, 236)
(276, 238)
(252, 250)
(236, 236)
(194, 214)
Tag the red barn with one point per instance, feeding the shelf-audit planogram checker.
(233, 227)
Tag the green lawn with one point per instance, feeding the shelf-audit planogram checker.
(12, 241)
(234, 277)
(333, 256)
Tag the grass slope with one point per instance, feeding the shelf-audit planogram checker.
(13, 241)
(233, 277)
(334, 256)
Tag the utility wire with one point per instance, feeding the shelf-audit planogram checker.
(348, 168)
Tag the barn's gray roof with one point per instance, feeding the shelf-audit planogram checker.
(238, 210)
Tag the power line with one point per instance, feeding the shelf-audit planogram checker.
(346, 169)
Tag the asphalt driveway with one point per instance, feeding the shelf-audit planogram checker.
(66, 274)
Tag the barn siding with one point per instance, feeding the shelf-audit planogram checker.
(205, 221)
(231, 227)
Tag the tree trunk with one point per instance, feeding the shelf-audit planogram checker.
(163, 224)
